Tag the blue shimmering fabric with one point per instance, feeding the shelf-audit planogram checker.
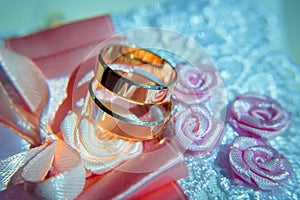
(240, 37)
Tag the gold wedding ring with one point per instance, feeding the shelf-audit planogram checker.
(127, 119)
(136, 74)
(131, 92)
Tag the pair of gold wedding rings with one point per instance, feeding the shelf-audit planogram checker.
(131, 92)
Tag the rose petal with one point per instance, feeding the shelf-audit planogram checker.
(196, 130)
(194, 84)
(259, 116)
(100, 151)
(258, 164)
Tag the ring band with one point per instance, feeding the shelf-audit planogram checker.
(141, 76)
(126, 122)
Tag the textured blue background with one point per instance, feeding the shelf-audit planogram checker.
(240, 37)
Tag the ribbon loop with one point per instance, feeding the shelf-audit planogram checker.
(10, 167)
(63, 167)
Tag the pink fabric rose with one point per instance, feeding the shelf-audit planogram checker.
(259, 116)
(196, 130)
(194, 84)
(258, 164)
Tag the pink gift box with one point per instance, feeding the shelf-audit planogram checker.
(58, 52)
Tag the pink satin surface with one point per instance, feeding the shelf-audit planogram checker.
(141, 176)
(171, 191)
(64, 38)
(58, 52)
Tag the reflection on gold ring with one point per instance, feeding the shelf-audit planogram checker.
(136, 74)
(127, 119)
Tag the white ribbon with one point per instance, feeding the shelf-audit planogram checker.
(52, 170)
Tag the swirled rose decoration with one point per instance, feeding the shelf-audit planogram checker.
(194, 84)
(100, 150)
(259, 116)
(258, 164)
(196, 130)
